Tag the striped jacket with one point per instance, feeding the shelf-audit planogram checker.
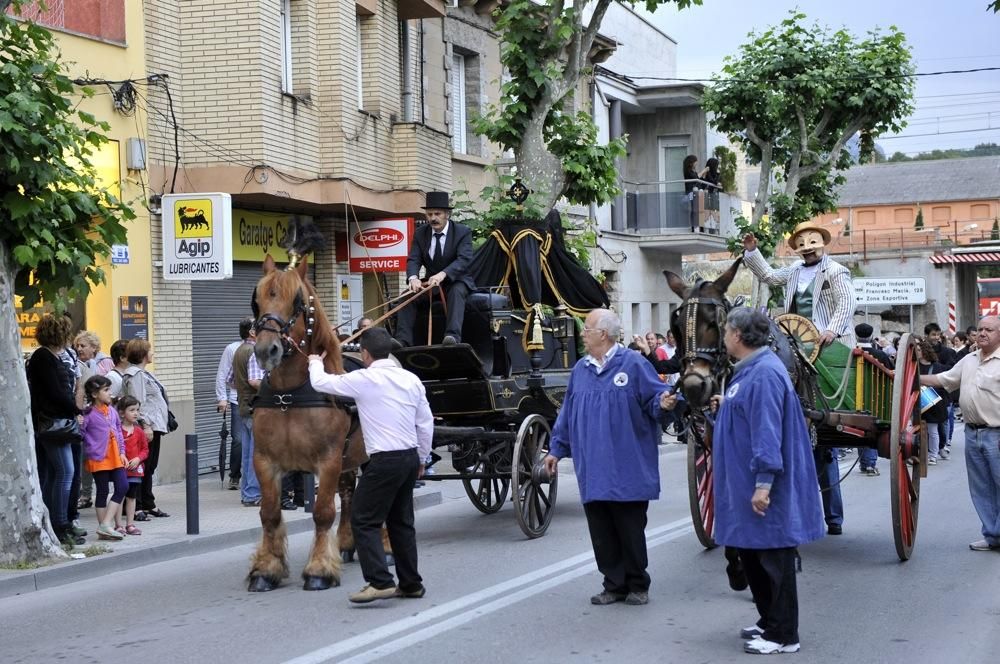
(833, 310)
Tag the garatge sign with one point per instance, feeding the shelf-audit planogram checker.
(197, 236)
(908, 290)
(379, 246)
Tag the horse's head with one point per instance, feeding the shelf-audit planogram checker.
(698, 326)
(289, 319)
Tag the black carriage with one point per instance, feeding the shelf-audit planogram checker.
(496, 395)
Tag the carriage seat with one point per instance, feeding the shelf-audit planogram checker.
(486, 302)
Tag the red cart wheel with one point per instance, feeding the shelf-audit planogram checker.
(908, 445)
(701, 494)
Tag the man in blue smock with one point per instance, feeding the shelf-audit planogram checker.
(766, 499)
(609, 423)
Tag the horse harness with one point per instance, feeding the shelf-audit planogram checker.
(716, 356)
(303, 396)
(284, 328)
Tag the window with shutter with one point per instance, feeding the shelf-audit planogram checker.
(458, 104)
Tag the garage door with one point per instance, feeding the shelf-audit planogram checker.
(217, 307)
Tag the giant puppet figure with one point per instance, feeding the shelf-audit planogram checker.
(817, 286)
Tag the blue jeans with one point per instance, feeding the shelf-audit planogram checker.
(933, 440)
(868, 457)
(249, 486)
(982, 462)
(57, 479)
(951, 419)
(828, 473)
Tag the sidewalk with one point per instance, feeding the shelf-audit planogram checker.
(223, 523)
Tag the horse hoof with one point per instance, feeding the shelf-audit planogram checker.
(319, 583)
(261, 584)
(390, 560)
(347, 556)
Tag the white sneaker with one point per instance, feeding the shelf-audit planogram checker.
(945, 452)
(931, 461)
(761, 647)
(751, 632)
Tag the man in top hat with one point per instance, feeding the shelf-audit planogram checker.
(816, 287)
(444, 250)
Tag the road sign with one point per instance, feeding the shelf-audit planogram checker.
(908, 290)
(197, 236)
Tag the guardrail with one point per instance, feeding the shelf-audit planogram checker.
(663, 207)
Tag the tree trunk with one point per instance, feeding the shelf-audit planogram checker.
(25, 530)
(539, 169)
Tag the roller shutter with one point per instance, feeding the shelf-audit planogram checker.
(216, 308)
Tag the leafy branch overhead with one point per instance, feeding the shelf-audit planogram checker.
(546, 50)
(55, 219)
(792, 98)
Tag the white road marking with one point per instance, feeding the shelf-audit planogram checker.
(565, 570)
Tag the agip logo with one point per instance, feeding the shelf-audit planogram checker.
(193, 228)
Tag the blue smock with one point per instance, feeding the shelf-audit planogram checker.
(761, 437)
(609, 424)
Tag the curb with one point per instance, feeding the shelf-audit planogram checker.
(194, 545)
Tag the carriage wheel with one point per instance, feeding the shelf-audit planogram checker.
(534, 490)
(907, 441)
(487, 493)
(701, 494)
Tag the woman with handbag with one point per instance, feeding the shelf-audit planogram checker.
(54, 414)
(154, 414)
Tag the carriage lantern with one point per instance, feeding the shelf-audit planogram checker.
(563, 327)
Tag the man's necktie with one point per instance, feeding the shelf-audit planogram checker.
(437, 246)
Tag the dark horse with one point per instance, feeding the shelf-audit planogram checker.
(296, 428)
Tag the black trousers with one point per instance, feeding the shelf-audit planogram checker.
(385, 495)
(456, 293)
(771, 575)
(147, 501)
(618, 534)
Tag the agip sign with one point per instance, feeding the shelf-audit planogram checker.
(197, 237)
(379, 246)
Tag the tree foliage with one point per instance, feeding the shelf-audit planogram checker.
(981, 150)
(794, 95)
(727, 168)
(54, 218)
(546, 51)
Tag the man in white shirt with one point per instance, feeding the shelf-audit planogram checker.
(226, 400)
(398, 426)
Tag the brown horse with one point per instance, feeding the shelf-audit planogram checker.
(296, 428)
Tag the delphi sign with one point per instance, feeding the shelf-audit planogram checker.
(379, 246)
(197, 236)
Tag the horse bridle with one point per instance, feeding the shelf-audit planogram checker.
(717, 356)
(284, 328)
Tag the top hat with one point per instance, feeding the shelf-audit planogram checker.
(802, 228)
(437, 200)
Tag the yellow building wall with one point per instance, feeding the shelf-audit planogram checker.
(95, 59)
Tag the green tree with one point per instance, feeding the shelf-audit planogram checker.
(995, 232)
(546, 49)
(918, 224)
(793, 96)
(55, 221)
(727, 167)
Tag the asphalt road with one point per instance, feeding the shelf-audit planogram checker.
(495, 597)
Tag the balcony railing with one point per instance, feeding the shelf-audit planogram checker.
(664, 208)
(865, 242)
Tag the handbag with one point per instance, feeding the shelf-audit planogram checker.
(171, 422)
(57, 430)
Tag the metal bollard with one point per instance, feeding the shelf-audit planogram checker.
(309, 492)
(191, 481)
